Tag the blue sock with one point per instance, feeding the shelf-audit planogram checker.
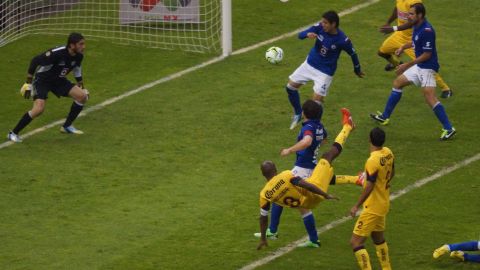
(275, 217)
(309, 222)
(471, 257)
(442, 116)
(465, 246)
(392, 101)
(294, 98)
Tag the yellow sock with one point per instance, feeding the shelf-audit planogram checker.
(382, 254)
(441, 83)
(343, 135)
(346, 179)
(394, 60)
(363, 259)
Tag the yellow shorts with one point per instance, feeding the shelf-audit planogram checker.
(321, 177)
(394, 42)
(368, 223)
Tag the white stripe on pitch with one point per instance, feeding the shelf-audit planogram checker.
(180, 74)
(419, 183)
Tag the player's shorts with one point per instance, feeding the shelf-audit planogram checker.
(421, 77)
(304, 173)
(368, 223)
(394, 42)
(305, 73)
(60, 87)
(321, 177)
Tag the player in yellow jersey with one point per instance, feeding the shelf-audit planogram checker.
(402, 34)
(375, 198)
(287, 190)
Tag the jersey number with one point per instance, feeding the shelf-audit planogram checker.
(389, 178)
(291, 202)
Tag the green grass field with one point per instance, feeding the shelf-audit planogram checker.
(169, 178)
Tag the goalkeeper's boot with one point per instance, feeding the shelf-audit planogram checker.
(70, 130)
(459, 255)
(270, 235)
(441, 251)
(14, 137)
(347, 118)
(379, 118)
(310, 244)
(447, 134)
(447, 93)
(296, 119)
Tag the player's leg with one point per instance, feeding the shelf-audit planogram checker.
(446, 91)
(79, 97)
(349, 179)
(309, 222)
(321, 85)
(298, 78)
(357, 242)
(395, 95)
(381, 246)
(341, 138)
(387, 51)
(40, 95)
(428, 86)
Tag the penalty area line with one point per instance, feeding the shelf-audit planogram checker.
(417, 184)
(179, 74)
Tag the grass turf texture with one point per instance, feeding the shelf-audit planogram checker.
(169, 179)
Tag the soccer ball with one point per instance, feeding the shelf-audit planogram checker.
(274, 55)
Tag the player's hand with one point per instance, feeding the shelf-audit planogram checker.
(386, 29)
(399, 51)
(263, 243)
(358, 71)
(26, 90)
(285, 152)
(312, 35)
(401, 69)
(331, 197)
(353, 211)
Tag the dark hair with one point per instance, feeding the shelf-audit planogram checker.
(419, 9)
(74, 38)
(377, 137)
(312, 110)
(332, 17)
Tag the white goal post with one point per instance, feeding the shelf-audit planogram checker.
(191, 25)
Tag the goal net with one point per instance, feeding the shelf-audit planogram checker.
(191, 25)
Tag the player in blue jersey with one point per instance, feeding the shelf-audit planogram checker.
(309, 139)
(321, 62)
(457, 251)
(420, 71)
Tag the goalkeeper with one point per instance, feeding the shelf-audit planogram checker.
(47, 72)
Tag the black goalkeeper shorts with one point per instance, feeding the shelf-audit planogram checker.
(60, 87)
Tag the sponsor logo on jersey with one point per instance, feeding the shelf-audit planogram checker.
(269, 193)
(61, 63)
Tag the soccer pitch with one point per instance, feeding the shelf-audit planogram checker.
(169, 178)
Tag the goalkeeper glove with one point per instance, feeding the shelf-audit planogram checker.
(26, 90)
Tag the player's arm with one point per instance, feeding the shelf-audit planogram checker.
(348, 47)
(300, 145)
(77, 73)
(310, 32)
(263, 225)
(371, 179)
(43, 59)
(298, 181)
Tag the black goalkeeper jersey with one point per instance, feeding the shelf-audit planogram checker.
(54, 64)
